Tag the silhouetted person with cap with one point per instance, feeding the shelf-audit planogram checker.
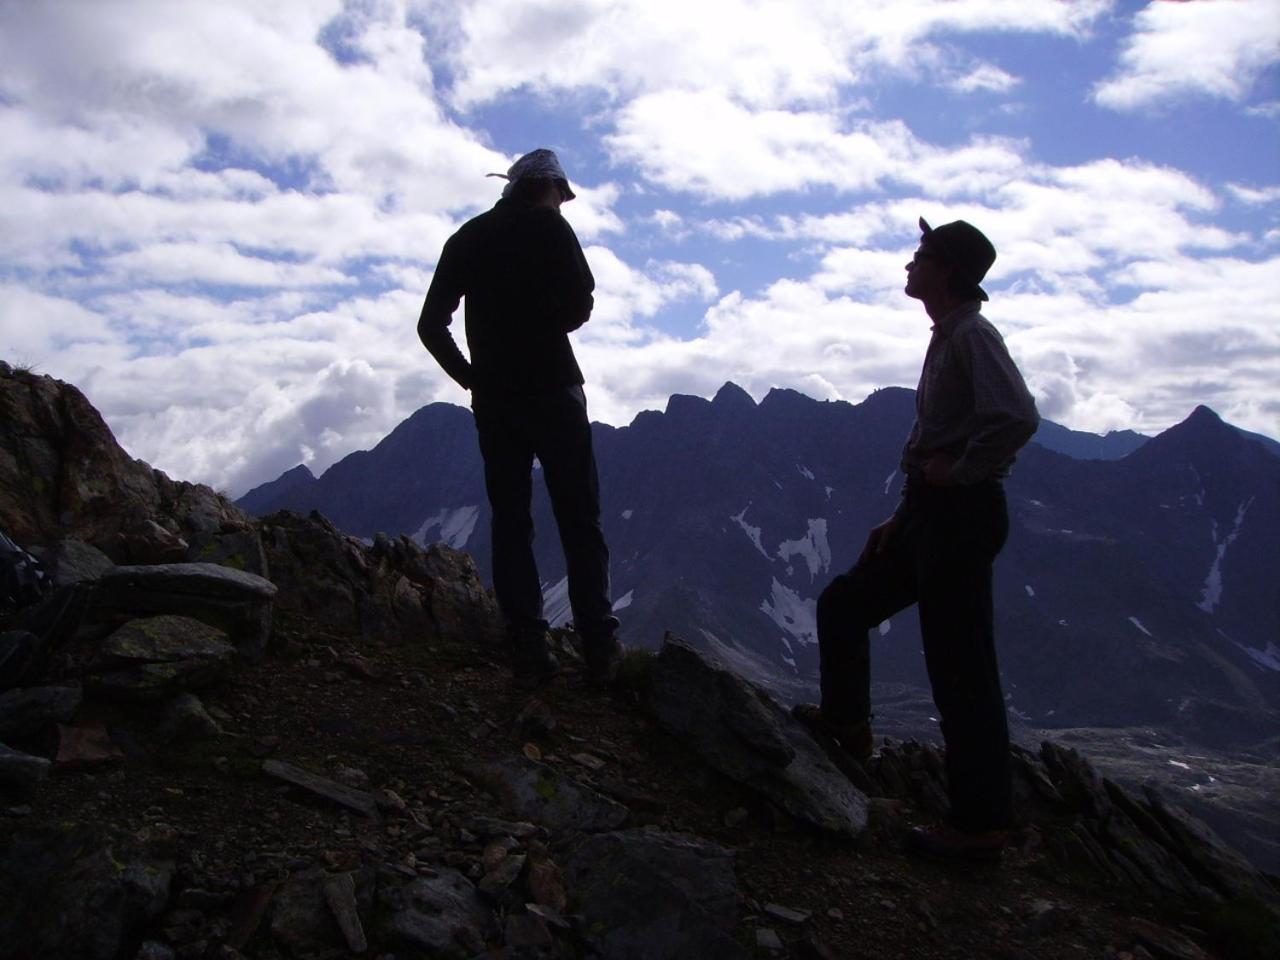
(527, 285)
(973, 414)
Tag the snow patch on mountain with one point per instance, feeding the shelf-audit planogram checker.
(624, 601)
(813, 547)
(1030, 590)
(455, 525)
(626, 514)
(796, 615)
(888, 481)
(752, 532)
(1211, 594)
(1138, 623)
(1268, 659)
(804, 471)
(555, 603)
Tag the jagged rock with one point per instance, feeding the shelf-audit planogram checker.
(72, 561)
(146, 542)
(154, 657)
(20, 771)
(19, 651)
(537, 792)
(743, 733)
(1216, 864)
(358, 800)
(391, 593)
(63, 474)
(442, 915)
(235, 602)
(185, 718)
(75, 893)
(240, 549)
(302, 920)
(1164, 943)
(651, 895)
(27, 711)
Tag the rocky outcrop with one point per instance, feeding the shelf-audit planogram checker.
(740, 730)
(62, 473)
(390, 592)
(77, 893)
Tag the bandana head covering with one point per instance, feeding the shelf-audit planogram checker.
(540, 164)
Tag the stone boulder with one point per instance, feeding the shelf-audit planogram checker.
(741, 731)
(651, 895)
(26, 711)
(154, 658)
(74, 892)
(237, 603)
(441, 916)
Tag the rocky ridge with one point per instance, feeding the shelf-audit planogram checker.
(236, 738)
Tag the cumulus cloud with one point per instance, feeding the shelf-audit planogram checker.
(1213, 48)
(220, 222)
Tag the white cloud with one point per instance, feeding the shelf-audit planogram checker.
(985, 77)
(1215, 48)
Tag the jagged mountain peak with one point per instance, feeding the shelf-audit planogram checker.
(732, 395)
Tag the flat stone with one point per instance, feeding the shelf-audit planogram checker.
(358, 800)
(340, 894)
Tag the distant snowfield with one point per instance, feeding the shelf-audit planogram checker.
(1211, 595)
(623, 601)
(1138, 623)
(1268, 658)
(813, 547)
(797, 616)
(455, 524)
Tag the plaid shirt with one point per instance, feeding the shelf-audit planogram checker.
(972, 403)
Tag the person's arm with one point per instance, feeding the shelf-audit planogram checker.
(442, 300)
(572, 285)
(1005, 412)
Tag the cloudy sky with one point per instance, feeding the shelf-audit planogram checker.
(219, 218)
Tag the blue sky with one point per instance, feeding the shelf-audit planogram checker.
(219, 219)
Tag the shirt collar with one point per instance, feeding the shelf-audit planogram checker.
(947, 324)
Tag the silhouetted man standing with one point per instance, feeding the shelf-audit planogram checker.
(527, 285)
(973, 413)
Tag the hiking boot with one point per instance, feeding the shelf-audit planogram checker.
(532, 662)
(855, 737)
(603, 656)
(948, 843)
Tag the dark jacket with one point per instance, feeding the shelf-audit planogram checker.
(526, 284)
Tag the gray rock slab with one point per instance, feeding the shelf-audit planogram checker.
(21, 770)
(303, 920)
(651, 895)
(26, 711)
(74, 561)
(360, 801)
(340, 894)
(444, 916)
(234, 601)
(536, 791)
(742, 732)
(165, 639)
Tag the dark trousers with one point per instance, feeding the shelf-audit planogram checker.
(553, 427)
(940, 559)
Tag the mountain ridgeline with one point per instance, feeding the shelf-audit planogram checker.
(1138, 585)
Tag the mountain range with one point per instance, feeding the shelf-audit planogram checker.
(1138, 586)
